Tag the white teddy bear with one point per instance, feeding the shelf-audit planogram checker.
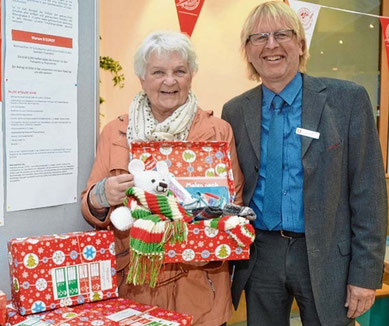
(155, 182)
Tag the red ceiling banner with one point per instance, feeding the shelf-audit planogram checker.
(188, 11)
(385, 31)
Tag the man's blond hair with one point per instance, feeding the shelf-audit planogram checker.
(270, 12)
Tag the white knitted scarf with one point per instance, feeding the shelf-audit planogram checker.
(142, 126)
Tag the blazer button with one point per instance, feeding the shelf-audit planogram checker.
(256, 168)
(315, 252)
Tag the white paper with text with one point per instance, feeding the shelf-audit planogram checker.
(40, 84)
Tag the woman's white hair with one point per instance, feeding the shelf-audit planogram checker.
(164, 43)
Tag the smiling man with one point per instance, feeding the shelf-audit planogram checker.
(309, 151)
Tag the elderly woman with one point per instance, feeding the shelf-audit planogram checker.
(166, 109)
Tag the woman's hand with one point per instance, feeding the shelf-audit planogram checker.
(115, 188)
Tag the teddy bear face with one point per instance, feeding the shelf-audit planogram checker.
(153, 181)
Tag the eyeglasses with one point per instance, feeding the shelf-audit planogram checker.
(281, 36)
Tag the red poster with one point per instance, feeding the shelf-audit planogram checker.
(188, 11)
(385, 31)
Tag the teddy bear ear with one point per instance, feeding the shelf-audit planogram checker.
(136, 166)
(162, 167)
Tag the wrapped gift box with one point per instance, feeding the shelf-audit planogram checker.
(54, 271)
(207, 244)
(203, 168)
(128, 312)
(12, 317)
(3, 313)
(117, 311)
(62, 316)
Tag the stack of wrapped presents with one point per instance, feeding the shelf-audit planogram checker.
(70, 279)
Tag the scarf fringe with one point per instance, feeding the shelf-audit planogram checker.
(175, 231)
(159, 220)
(144, 268)
(147, 260)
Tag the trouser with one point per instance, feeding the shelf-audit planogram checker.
(280, 274)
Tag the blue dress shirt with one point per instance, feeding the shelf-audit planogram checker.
(292, 218)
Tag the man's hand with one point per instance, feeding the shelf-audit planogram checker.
(359, 300)
(115, 188)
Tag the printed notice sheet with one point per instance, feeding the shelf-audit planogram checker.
(40, 84)
(1, 133)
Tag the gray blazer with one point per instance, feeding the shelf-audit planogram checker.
(344, 190)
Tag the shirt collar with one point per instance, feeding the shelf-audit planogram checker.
(289, 93)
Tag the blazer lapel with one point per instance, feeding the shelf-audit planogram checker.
(312, 107)
(252, 115)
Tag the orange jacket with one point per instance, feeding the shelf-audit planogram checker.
(201, 290)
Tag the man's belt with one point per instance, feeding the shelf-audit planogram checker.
(283, 233)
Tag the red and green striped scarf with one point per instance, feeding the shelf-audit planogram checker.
(159, 219)
(242, 233)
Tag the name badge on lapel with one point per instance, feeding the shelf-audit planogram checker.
(307, 133)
